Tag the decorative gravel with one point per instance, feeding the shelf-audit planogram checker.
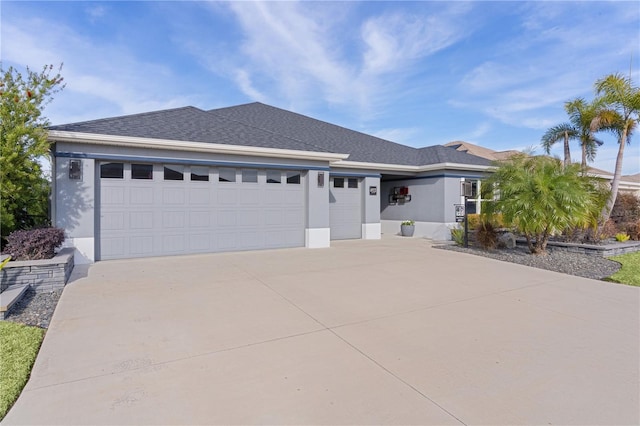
(35, 309)
(581, 265)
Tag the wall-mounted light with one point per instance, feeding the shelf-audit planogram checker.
(75, 169)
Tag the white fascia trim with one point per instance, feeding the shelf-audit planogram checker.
(113, 140)
(410, 169)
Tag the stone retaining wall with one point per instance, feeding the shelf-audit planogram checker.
(601, 250)
(42, 275)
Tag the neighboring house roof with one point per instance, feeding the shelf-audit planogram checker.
(632, 178)
(264, 126)
(481, 151)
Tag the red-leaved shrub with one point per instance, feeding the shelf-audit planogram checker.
(34, 244)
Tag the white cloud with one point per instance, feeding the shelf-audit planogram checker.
(404, 135)
(92, 72)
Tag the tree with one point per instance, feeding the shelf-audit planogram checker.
(23, 139)
(541, 197)
(565, 132)
(581, 114)
(621, 115)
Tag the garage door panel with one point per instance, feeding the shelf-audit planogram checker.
(139, 218)
(248, 218)
(199, 242)
(113, 221)
(112, 196)
(199, 196)
(227, 196)
(199, 219)
(173, 243)
(227, 218)
(173, 219)
(139, 195)
(173, 196)
(141, 245)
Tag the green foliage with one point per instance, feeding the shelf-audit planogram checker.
(630, 271)
(408, 222)
(23, 139)
(622, 237)
(619, 112)
(457, 235)
(473, 220)
(19, 345)
(541, 198)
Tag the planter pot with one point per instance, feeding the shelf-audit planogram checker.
(407, 230)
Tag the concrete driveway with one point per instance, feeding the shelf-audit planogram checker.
(366, 332)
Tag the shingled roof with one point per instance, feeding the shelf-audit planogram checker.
(265, 126)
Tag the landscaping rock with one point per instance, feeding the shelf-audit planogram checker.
(507, 240)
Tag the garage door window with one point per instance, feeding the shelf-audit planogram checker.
(226, 175)
(274, 176)
(338, 182)
(141, 171)
(293, 178)
(199, 173)
(112, 170)
(173, 173)
(249, 176)
(352, 182)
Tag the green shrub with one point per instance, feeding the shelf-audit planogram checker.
(473, 220)
(622, 237)
(457, 235)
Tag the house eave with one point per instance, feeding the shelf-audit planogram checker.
(176, 145)
(385, 167)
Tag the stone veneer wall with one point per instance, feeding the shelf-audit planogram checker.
(43, 275)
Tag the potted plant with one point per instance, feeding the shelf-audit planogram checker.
(407, 227)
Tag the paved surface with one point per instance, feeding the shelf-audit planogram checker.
(366, 332)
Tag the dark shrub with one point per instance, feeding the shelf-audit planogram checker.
(34, 244)
(486, 235)
(632, 229)
(626, 209)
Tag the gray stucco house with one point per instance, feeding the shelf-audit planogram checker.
(247, 177)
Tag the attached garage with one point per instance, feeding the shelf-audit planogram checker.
(345, 207)
(148, 209)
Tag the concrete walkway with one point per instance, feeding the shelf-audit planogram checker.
(366, 332)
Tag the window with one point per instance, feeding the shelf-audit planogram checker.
(293, 177)
(199, 173)
(226, 175)
(112, 170)
(274, 176)
(173, 172)
(338, 182)
(249, 176)
(352, 182)
(142, 171)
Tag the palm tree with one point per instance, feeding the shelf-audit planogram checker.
(581, 114)
(541, 197)
(564, 131)
(621, 116)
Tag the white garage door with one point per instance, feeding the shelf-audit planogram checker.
(163, 209)
(345, 208)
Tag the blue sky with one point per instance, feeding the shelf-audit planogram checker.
(420, 73)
